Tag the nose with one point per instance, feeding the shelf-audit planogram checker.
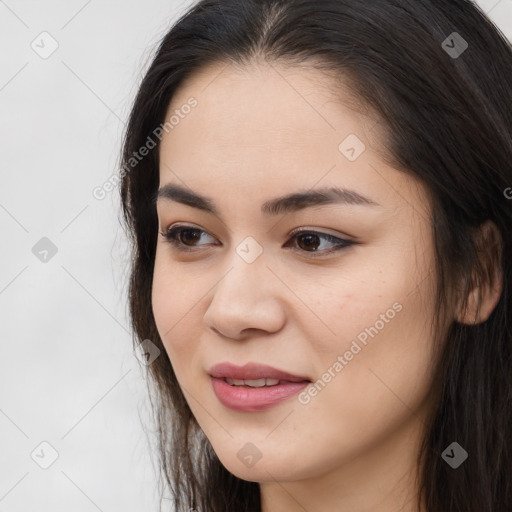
(248, 297)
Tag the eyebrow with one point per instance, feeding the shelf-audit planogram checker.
(293, 202)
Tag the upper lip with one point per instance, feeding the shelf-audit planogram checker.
(252, 371)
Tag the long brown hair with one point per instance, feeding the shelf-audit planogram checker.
(446, 105)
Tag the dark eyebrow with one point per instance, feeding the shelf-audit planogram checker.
(285, 204)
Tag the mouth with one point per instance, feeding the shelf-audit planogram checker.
(254, 387)
(253, 375)
(258, 383)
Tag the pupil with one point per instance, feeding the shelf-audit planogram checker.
(311, 239)
(184, 235)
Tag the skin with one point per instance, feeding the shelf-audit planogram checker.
(255, 134)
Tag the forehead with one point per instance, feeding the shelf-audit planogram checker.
(265, 100)
(268, 127)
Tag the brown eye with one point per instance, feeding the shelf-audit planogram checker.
(189, 235)
(312, 242)
(184, 238)
(309, 241)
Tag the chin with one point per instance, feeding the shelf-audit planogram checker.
(267, 469)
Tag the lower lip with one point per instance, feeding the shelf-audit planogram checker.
(246, 399)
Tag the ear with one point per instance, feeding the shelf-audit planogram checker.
(487, 283)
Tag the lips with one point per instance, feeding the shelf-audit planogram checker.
(253, 371)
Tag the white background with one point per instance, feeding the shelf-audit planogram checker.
(69, 375)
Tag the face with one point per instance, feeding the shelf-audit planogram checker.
(347, 304)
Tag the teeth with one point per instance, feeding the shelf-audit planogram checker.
(253, 383)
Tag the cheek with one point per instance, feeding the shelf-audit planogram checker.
(174, 303)
(373, 377)
(386, 347)
(379, 342)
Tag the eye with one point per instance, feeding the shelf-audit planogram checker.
(185, 238)
(307, 239)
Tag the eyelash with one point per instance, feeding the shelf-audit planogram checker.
(171, 236)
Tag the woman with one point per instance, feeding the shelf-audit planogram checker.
(318, 195)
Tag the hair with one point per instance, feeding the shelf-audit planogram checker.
(448, 122)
